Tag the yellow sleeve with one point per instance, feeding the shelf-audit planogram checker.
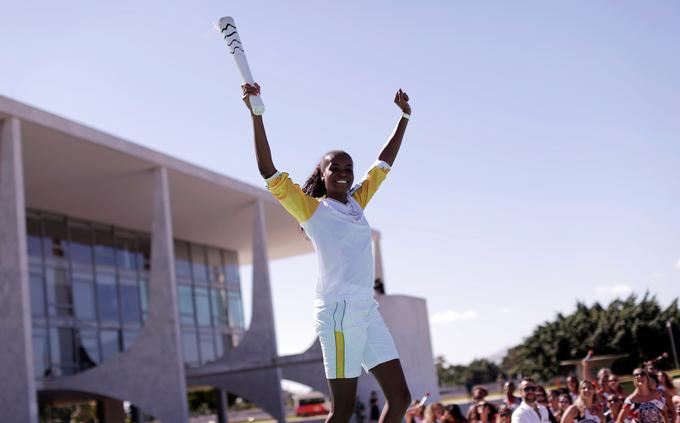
(369, 185)
(300, 205)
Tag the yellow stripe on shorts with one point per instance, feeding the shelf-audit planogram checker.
(339, 355)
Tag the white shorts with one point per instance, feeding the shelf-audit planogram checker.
(352, 334)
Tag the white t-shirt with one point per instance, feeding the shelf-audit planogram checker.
(526, 414)
(340, 234)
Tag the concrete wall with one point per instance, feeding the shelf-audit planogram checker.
(407, 319)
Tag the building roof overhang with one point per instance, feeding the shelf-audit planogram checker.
(85, 173)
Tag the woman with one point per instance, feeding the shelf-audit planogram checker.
(554, 403)
(615, 403)
(504, 414)
(655, 384)
(429, 415)
(542, 398)
(416, 413)
(667, 383)
(585, 409)
(482, 412)
(452, 414)
(330, 211)
(615, 387)
(572, 385)
(644, 405)
(564, 403)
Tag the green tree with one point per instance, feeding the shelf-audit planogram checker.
(633, 326)
(477, 371)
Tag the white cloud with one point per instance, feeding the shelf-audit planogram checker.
(658, 275)
(612, 290)
(677, 264)
(506, 310)
(452, 316)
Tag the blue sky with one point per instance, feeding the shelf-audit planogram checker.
(541, 165)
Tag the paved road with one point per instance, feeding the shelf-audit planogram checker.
(257, 415)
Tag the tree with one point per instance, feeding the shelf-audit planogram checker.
(629, 326)
(478, 371)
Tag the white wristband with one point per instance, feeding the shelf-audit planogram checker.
(406, 115)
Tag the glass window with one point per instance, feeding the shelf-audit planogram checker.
(83, 296)
(219, 306)
(107, 298)
(40, 352)
(59, 299)
(190, 347)
(230, 267)
(80, 245)
(125, 252)
(144, 252)
(129, 336)
(223, 343)
(215, 266)
(202, 306)
(144, 297)
(199, 265)
(62, 351)
(207, 345)
(37, 295)
(182, 260)
(186, 304)
(54, 243)
(88, 349)
(129, 298)
(235, 309)
(110, 343)
(104, 251)
(34, 236)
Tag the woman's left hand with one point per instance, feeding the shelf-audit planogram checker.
(401, 100)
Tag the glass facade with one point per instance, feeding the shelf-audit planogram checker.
(209, 301)
(89, 287)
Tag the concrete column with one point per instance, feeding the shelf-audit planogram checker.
(222, 405)
(17, 384)
(163, 293)
(262, 326)
(263, 323)
(377, 257)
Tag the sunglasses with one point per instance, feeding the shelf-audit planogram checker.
(612, 401)
(639, 374)
(529, 389)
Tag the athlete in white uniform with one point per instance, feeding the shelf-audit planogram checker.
(330, 210)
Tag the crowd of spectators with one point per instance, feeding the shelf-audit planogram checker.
(654, 399)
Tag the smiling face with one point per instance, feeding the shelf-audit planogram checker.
(528, 391)
(640, 378)
(586, 389)
(564, 402)
(337, 173)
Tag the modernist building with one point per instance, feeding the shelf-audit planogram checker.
(119, 279)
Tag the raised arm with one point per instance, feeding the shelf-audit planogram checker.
(390, 150)
(262, 151)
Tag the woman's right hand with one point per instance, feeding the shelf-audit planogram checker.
(249, 90)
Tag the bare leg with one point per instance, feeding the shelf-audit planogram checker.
(343, 399)
(390, 377)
